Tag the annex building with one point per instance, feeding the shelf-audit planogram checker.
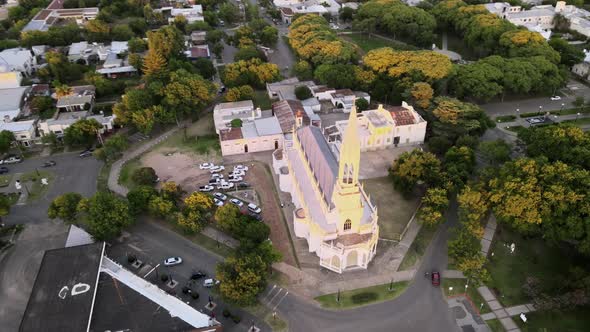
(332, 211)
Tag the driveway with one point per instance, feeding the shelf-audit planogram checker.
(19, 265)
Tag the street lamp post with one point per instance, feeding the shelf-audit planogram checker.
(562, 106)
(518, 113)
(540, 110)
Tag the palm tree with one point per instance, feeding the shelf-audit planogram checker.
(63, 90)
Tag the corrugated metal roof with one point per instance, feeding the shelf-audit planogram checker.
(268, 126)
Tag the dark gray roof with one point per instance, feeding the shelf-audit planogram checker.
(320, 159)
(52, 306)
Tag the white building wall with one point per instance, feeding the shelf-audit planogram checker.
(258, 144)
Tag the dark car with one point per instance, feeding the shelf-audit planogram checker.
(49, 163)
(86, 153)
(3, 170)
(198, 275)
(435, 278)
(243, 185)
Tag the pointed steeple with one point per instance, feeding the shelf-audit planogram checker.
(350, 152)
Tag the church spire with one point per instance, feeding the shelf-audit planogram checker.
(350, 152)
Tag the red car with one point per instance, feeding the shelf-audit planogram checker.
(435, 278)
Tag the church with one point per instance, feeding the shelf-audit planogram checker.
(332, 211)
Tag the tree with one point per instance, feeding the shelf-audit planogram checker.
(198, 201)
(570, 54)
(248, 53)
(228, 12)
(160, 207)
(302, 92)
(337, 76)
(480, 80)
(422, 93)
(412, 167)
(139, 199)
(105, 215)
(346, 14)
(122, 32)
(113, 146)
(188, 93)
(214, 36)
(65, 207)
(97, 30)
(205, 68)
(236, 123)
(63, 90)
(82, 133)
(361, 104)
(429, 66)
(136, 61)
(439, 145)
(458, 164)
(154, 64)
(452, 118)
(144, 176)
(434, 203)
(168, 42)
(473, 206)
(190, 221)
(241, 279)
(525, 43)
(269, 36)
(137, 45)
(303, 71)
(463, 245)
(6, 141)
(228, 218)
(495, 152)
(253, 72)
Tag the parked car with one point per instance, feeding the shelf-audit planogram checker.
(12, 160)
(214, 182)
(216, 176)
(435, 277)
(206, 188)
(225, 185)
(238, 173)
(85, 153)
(171, 261)
(216, 169)
(217, 202)
(220, 196)
(236, 202)
(198, 275)
(254, 208)
(210, 283)
(232, 178)
(206, 165)
(243, 185)
(242, 168)
(49, 163)
(3, 170)
(554, 98)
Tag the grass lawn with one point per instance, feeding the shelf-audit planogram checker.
(5, 180)
(367, 43)
(495, 325)
(505, 118)
(127, 172)
(201, 240)
(577, 320)
(362, 296)
(102, 181)
(394, 210)
(33, 182)
(579, 122)
(262, 100)
(515, 129)
(204, 144)
(459, 288)
(417, 248)
(533, 257)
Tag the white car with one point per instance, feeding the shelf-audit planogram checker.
(216, 169)
(236, 202)
(220, 196)
(254, 208)
(172, 261)
(216, 176)
(210, 283)
(225, 185)
(235, 178)
(206, 188)
(12, 160)
(218, 202)
(206, 165)
(241, 168)
(238, 173)
(555, 98)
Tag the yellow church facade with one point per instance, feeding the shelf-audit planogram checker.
(332, 211)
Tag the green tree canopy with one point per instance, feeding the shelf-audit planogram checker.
(82, 133)
(105, 215)
(65, 207)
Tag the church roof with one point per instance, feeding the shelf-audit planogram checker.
(320, 159)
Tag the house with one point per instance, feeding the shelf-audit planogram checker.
(18, 59)
(12, 102)
(262, 134)
(291, 114)
(81, 98)
(23, 131)
(55, 12)
(345, 98)
(40, 90)
(383, 128)
(224, 113)
(79, 288)
(10, 79)
(332, 211)
(198, 51)
(192, 14)
(199, 37)
(114, 66)
(118, 47)
(290, 8)
(62, 120)
(85, 53)
(286, 15)
(285, 89)
(582, 69)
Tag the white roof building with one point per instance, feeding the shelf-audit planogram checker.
(192, 14)
(255, 136)
(11, 102)
(23, 131)
(17, 59)
(224, 113)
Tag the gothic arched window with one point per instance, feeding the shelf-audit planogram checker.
(347, 225)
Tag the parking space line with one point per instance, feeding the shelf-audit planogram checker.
(269, 292)
(277, 294)
(281, 300)
(134, 247)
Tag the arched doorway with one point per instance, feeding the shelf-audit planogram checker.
(352, 259)
(335, 262)
(276, 145)
(245, 148)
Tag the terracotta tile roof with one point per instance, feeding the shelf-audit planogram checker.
(402, 116)
(42, 15)
(39, 89)
(287, 11)
(231, 134)
(199, 52)
(342, 93)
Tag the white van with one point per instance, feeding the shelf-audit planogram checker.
(253, 208)
(210, 283)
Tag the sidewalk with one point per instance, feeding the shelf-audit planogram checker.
(504, 315)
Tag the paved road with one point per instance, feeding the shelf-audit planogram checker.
(19, 265)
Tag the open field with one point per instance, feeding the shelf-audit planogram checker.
(394, 211)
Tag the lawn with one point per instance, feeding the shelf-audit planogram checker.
(579, 122)
(577, 320)
(459, 288)
(102, 181)
(201, 240)
(533, 257)
(32, 180)
(495, 325)
(417, 248)
(515, 129)
(127, 172)
(204, 144)
(506, 118)
(394, 210)
(367, 43)
(5, 180)
(262, 100)
(362, 296)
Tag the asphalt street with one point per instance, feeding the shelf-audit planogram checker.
(19, 265)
